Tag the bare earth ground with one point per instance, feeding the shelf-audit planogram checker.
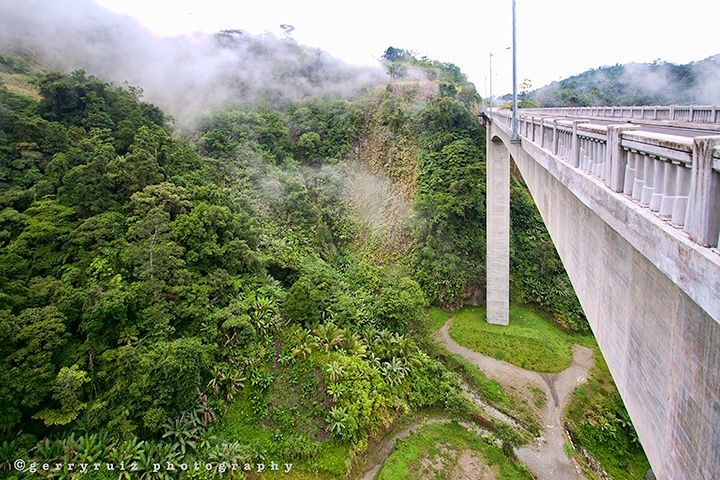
(546, 460)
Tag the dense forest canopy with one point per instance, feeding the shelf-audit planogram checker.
(154, 283)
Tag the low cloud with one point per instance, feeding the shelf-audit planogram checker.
(184, 75)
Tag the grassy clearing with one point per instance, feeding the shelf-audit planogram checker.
(436, 449)
(530, 341)
(437, 318)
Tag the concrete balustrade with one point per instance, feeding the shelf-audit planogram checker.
(564, 138)
(671, 113)
(658, 173)
(676, 178)
(593, 149)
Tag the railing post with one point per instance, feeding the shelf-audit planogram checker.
(615, 157)
(555, 137)
(702, 220)
(575, 155)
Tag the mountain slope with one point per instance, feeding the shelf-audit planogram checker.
(657, 83)
(183, 75)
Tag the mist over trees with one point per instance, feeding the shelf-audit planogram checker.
(185, 75)
(657, 83)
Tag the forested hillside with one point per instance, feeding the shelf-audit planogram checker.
(252, 290)
(657, 83)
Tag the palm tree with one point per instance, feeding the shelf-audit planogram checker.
(369, 332)
(354, 346)
(337, 419)
(235, 381)
(329, 335)
(335, 371)
(336, 390)
(395, 371)
(218, 376)
(305, 342)
(263, 314)
(184, 431)
(128, 335)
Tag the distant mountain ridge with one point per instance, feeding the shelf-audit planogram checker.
(657, 83)
(184, 75)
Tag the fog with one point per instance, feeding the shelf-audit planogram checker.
(657, 83)
(184, 75)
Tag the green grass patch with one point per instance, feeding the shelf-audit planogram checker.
(435, 449)
(437, 318)
(489, 389)
(530, 341)
(240, 423)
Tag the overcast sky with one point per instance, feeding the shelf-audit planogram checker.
(555, 38)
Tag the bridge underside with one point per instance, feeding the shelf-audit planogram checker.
(660, 345)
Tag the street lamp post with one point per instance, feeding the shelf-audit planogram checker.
(515, 137)
(491, 97)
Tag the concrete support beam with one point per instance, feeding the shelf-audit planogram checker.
(498, 231)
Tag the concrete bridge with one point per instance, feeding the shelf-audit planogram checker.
(635, 215)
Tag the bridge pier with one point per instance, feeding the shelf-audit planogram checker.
(498, 231)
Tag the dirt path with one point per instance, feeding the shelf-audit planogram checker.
(546, 460)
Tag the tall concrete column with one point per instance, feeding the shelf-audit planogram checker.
(498, 231)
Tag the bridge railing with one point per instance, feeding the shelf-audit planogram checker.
(676, 178)
(671, 113)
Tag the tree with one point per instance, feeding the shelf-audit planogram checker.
(89, 185)
(27, 372)
(67, 389)
(215, 237)
(393, 54)
(312, 298)
(328, 335)
(400, 304)
(42, 240)
(156, 257)
(309, 147)
(155, 384)
(525, 87)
